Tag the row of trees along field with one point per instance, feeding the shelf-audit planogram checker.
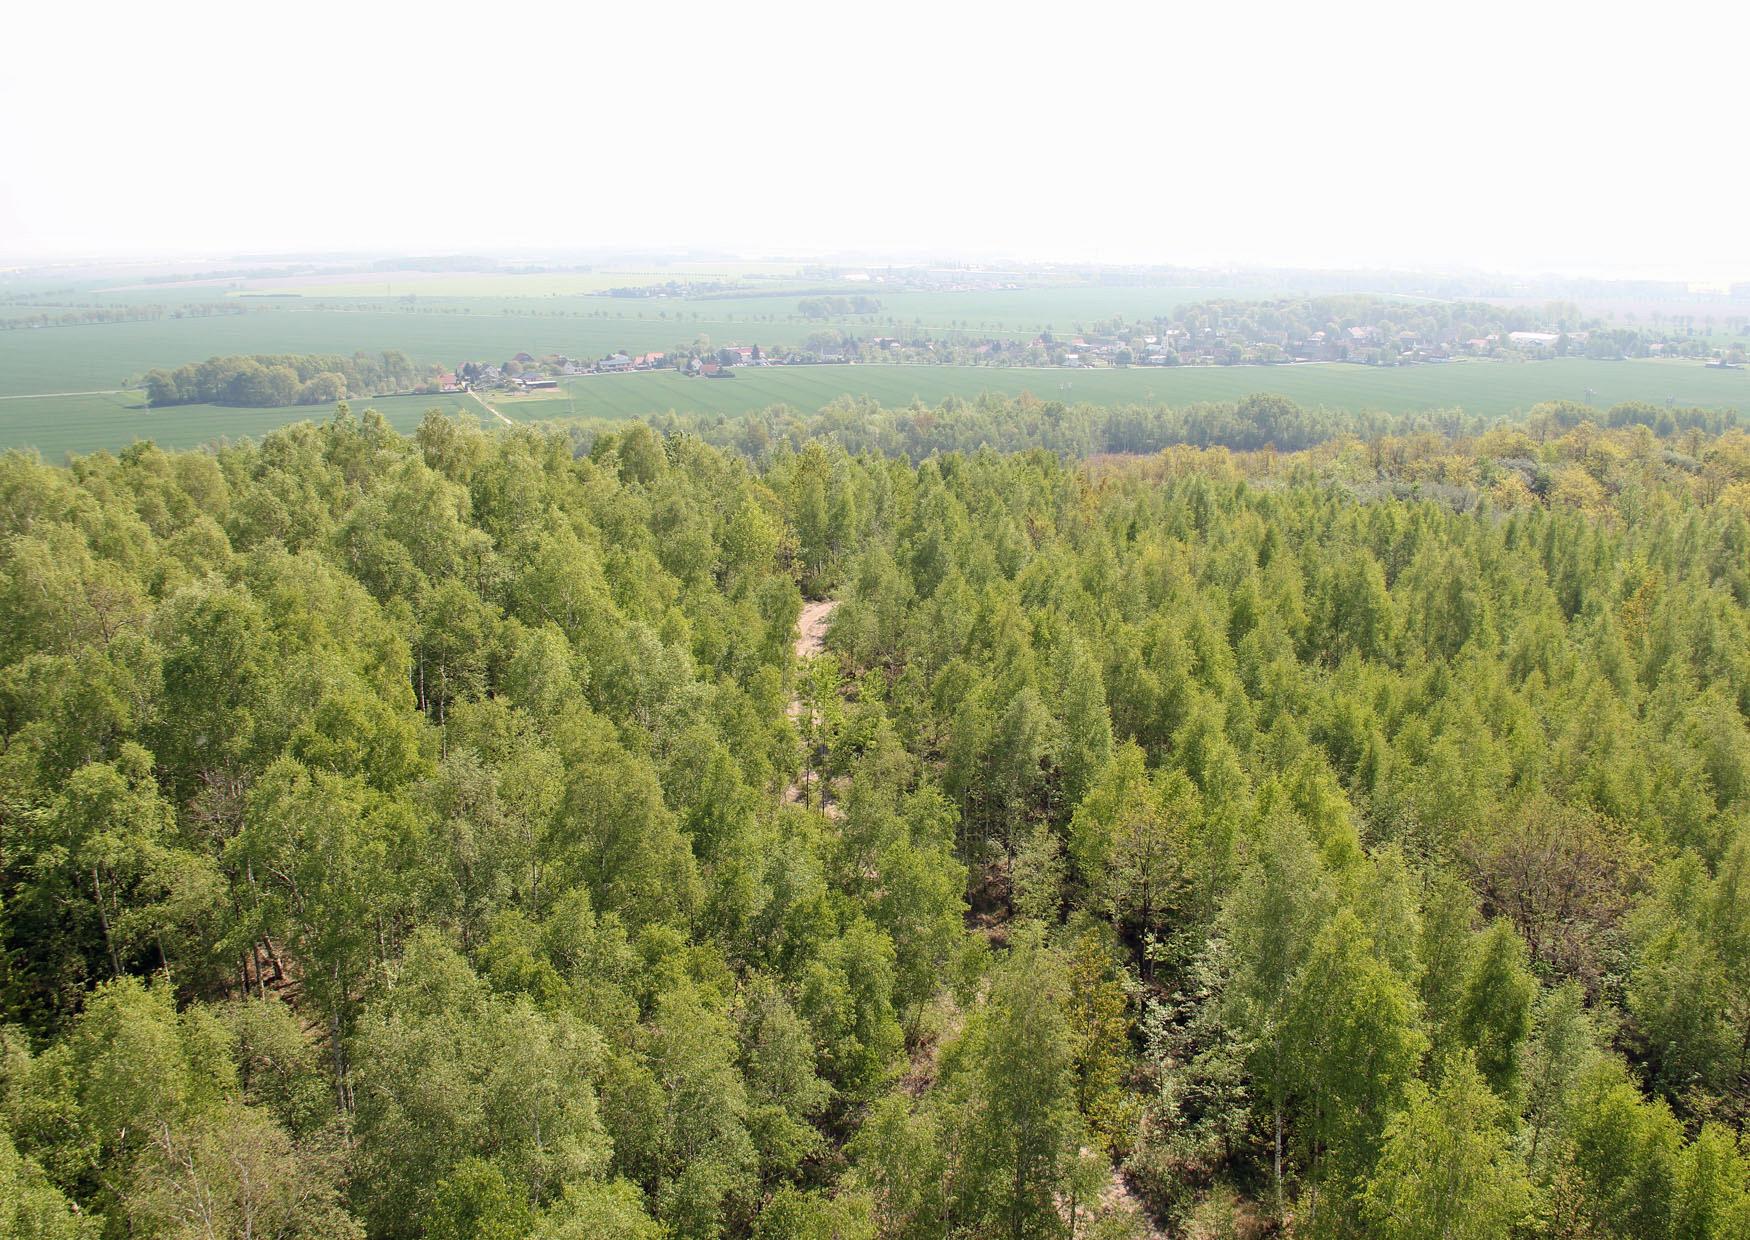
(412, 837)
(1259, 422)
(267, 381)
(60, 314)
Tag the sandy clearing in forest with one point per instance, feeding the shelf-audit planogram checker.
(811, 627)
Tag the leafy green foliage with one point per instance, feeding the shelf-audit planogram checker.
(1447, 1167)
(444, 836)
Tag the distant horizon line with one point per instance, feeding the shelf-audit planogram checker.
(899, 259)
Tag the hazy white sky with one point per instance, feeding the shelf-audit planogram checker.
(1519, 137)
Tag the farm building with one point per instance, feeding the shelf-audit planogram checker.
(539, 381)
(614, 362)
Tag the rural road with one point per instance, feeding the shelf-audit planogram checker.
(489, 409)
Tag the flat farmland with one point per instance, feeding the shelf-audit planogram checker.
(86, 357)
(84, 422)
(446, 329)
(1486, 388)
(995, 312)
(55, 426)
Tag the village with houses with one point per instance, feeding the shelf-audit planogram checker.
(525, 372)
(1347, 330)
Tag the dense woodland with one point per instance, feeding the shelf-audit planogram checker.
(439, 836)
(829, 307)
(270, 381)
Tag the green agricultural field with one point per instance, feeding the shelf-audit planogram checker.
(449, 329)
(57, 426)
(85, 422)
(1487, 388)
(1025, 311)
(103, 356)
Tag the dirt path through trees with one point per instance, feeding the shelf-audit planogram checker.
(811, 628)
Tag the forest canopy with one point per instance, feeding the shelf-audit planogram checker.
(1192, 825)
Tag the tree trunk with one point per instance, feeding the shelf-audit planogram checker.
(337, 1058)
(1276, 1162)
(115, 960)
(337, 1043)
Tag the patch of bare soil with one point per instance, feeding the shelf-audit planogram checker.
(1116, 1198)
(811, 627)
